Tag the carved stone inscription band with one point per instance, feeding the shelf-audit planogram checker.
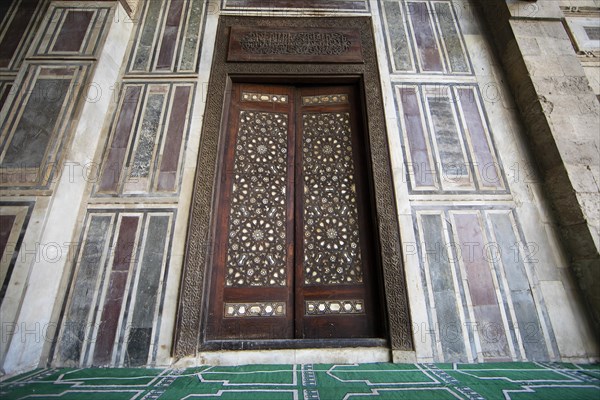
(305, 43)
(257, 44)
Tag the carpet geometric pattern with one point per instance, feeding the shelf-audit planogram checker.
(522, 381)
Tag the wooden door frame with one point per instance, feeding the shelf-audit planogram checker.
(376, 279)
(189, 338)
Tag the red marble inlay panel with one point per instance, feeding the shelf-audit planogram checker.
(478, 272)
(421, 168)
(486, 164)
(428, 49)
(116, 290)
(116, 155)
(73, 31)
(473, 254)
(169, 40)
(170, 158)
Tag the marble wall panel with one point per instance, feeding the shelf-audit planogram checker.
(115, 301)
(71, 31)
(14, 217)
(503, 227)
(34, 132)
(447, 140)
(85, 285)
(168, 37)
(470, 235)
(17, 28)
(398, 39)
(112, 313)
(440, 278)
(142, 320)
(477, 271)
(111, 305)
(144, 154)
(424, 37)
(48, 53)
(451, 140)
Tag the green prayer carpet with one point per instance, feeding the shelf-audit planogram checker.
(518, 381)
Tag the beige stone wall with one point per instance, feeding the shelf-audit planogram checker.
(560, 112)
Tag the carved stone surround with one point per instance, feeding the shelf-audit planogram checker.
(197, 271)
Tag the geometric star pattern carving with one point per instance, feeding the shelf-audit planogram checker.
(256, 254)
(331, 236)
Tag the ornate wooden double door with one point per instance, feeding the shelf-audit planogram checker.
(295, 250)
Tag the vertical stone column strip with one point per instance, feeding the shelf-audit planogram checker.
(560, 113)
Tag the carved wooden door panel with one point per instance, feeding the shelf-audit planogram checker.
(293, 255)
(251, 295)
(334, 240)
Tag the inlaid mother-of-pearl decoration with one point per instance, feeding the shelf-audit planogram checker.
(262, 309)
(325, 307)
(331, 237)
(256, 254)
(265, 97)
